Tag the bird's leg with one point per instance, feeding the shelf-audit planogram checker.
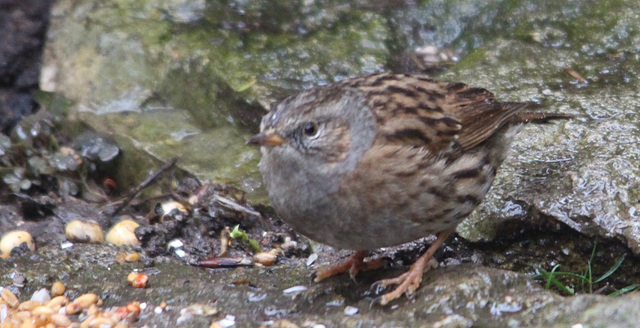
(354, 264)
(410, 281)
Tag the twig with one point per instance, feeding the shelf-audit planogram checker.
(234, 206)
(143, 185)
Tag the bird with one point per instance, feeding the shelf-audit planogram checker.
(384, 159)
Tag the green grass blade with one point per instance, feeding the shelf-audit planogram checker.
(613, 269)
(555, 267)
(549, 276)
(571, 275)
(624, 290)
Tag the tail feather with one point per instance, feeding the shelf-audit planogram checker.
(540, 117)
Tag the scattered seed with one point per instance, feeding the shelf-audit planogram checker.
(42, 310)
(92, 311)
(9, 297)
(132, 276)
(121, 258)
(140, 281)
(133, 307)
(33, 314)
(72, 308)
(57, 302)
(57, 289)
(84, 232)
(265, 258)
(160, 308)
(85, 301)
(60, 319)
(29, 305)
(200, 310)
(172, 205)
(101, 322)
(23, 315)
(28, 324)
(122, 233)
(14, 239)
(133, 257)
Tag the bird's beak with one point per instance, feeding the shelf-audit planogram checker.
(268, 138)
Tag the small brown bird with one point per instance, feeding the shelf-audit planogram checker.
(385, 159)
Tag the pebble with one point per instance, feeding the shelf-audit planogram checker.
(350, 310)
(294, 290)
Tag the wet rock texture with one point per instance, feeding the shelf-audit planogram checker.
(191, 79)
(458, 296)
(23, 25)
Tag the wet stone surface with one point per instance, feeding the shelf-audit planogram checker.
(465, 294)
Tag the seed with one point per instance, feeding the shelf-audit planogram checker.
(121, 258)
(85, 301)
(57, 302)
(133, 307)
(119, 314)
(9, 297)
(265, 258)
(42, 320)
(22, 315)
(140, 281)
(28, 305)
(132, 276)
(57, 289)
(28, 324)
(170, 206)
(122, 233)
(14, 239)
(42, 310)
(133, 257)
(84, 232)
(60, 319)
(101, 323)
(92, 311)
(72, 308)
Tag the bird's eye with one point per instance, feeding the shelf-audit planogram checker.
(310, 129)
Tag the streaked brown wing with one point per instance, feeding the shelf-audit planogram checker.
(418, 111)
(480, 114)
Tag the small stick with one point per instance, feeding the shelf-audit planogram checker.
(575, 75)
(143, 185)
(224, 241)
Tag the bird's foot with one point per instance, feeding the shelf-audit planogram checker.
(354, 264)
(409, 281)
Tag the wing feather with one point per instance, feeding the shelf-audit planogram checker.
(439, 116)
